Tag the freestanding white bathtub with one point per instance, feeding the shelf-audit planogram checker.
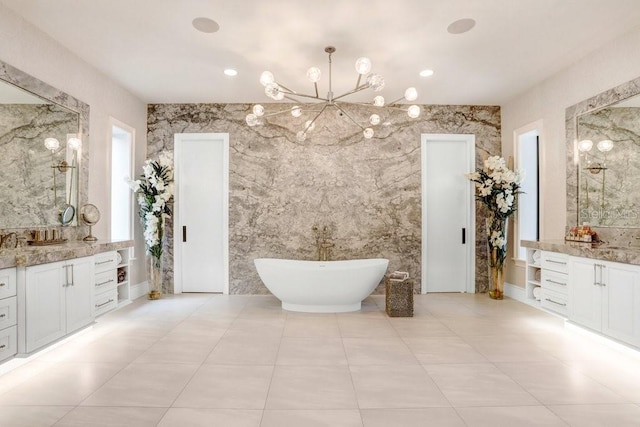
(321, 286)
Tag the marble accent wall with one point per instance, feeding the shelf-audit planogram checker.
(367, 192)
(26, 175)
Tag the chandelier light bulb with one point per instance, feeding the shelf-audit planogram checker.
(258, 110)
(375, 82)
(363, 65)
(411, 94)
(374, 119)
(267, 77)
(414, 111)
(272, 90)
(296, 111)
(585, 145)
(301, 136)
(74, 143)
(605, 145)
(378, 101)
(51, 144)
(251, 119)
(314, 74)
(279, 96)
(368, 133)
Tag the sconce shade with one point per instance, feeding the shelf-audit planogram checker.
(51, 144)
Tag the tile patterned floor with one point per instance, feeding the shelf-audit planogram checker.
(214, 360)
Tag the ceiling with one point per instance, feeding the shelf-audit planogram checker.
(151, 48)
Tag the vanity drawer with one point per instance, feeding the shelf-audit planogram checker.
(105, 301)
(106, 261)
(555, 262)
(106, 281)
(557, 282)
(554, 301)
(8, 342)
(8, 313)
(7, 282)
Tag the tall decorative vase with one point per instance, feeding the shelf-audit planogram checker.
(155, 278)
(497, 246)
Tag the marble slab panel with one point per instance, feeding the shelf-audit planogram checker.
(603, 252)
(367, 192)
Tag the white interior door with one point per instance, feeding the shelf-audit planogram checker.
(201, 227)
(448, 225)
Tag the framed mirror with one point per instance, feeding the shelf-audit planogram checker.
(603, 159)
(39, 180)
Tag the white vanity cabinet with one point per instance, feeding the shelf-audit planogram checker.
(58, 300)
(554, 282)
(106, 294)
(605, 296)
(8, 313)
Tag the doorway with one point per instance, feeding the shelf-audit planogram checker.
(201, 227)
(448, 213)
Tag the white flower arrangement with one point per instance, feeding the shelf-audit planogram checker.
(497, 188)
(155, 188)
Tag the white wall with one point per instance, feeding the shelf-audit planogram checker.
(606, 67)
(34, 52)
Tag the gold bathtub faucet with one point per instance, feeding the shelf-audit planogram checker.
(323, 242)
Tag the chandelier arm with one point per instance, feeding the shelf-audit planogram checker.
(358, 82)
(291, 92)
(348, 116)
(351, 92)
(275, 113)
(395, 101)
(315, 85)
(307, 96)
(312, 121)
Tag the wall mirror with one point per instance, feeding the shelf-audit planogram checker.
(44, 145)
(603, 158)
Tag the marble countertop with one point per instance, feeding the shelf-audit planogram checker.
(33, 255)
(600, 251)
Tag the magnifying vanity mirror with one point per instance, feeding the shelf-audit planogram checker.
(43, 140)
(603, 137)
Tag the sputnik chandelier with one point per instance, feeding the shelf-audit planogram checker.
(278, 92)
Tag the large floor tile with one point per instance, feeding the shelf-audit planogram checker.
(511, 416)
(427, 326)
(311, 351)
(62, 384)
(199, 417)
(312, 418)
(175, 349)
(446, 349)
(227, 387)
(311, 387)
(365, 327)
(378, 351)
(143, 384)
(245, 350)
(32, 416)
(399, 386)
(440, 417)
(554, 383)
(298, 325)
(112, 416)
(620, 415)
(478, 385)
(509, 348)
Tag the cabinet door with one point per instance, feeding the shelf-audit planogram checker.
(45, 304)
(81, 276)
(585, 301)
(621, 303)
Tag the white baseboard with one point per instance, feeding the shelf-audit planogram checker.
(139, 290)
(515, 292)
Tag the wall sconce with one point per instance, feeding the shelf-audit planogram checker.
(53, 144)
(603, 146)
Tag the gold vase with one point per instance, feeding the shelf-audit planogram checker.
(497, 247)
(155, 279)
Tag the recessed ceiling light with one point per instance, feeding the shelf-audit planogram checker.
(230, 72)
(461, 26)
(426, 73)
(205, 25)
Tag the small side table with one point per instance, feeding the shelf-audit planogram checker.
(399, 297)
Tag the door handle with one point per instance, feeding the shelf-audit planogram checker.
(184, 233)
(464, 235)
